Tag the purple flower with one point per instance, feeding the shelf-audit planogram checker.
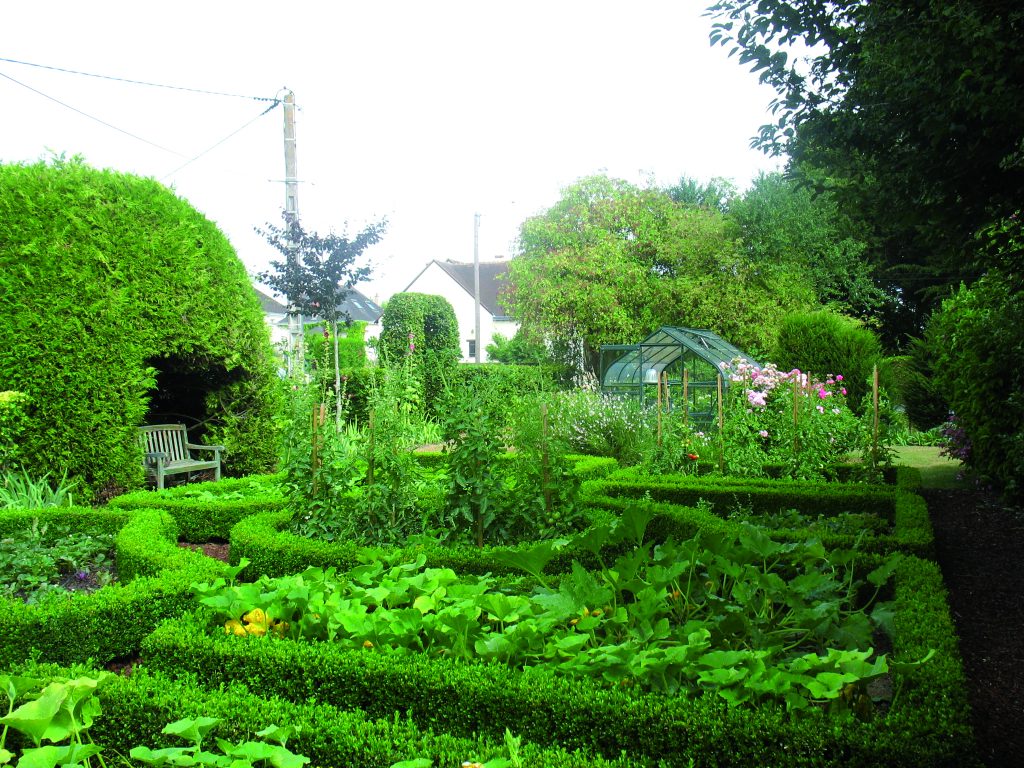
(763, 433)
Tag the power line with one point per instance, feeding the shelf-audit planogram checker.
(217, 144)
(91, 117)
(139, 82)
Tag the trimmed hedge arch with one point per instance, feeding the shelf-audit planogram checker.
(111, 285)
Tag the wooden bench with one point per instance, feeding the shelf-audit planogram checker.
(168, 452)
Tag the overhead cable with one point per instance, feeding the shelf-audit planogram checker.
(138, 82)
(93, 117)
(214, 146)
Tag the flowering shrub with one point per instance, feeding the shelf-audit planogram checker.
(772, 417)
(602, 425)
(955, 442)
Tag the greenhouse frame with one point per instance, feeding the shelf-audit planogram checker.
(686, 362)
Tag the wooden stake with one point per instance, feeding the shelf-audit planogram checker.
(797, 387)
(659, 410)
(370, 450)
(874, 420)
(686, 395)
(544, 459)
(721, 428)
(319, 416)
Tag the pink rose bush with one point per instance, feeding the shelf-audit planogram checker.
(763, 425)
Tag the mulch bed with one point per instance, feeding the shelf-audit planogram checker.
(218, 550)
(980, 548)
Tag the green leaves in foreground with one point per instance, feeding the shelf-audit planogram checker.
(242, 755)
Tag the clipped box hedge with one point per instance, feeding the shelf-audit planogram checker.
(906, 512)
(273, 551)
(154, 578)
(927, 724)
(135, 709)
(206, 511)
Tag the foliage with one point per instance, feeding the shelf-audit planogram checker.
(245, 754)
(925, 392)
(474, 436)
(786, 228)
(60, 711)
(825, 343)
(717, 194)
(542, 487)
(602, 425)
(909, 113)
(19, 491)
(747, 618)
(13, 420)
(424, 328)
(147, 285)
(357, 483)
(317, 273)
(978, 347)
(519, 350)
(610, 262)
(43, 557)
(773, 417)
(320, 350)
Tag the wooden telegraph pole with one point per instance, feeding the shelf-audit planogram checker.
(291, 208)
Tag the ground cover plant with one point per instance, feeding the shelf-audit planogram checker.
(45, 557)
(746, 617)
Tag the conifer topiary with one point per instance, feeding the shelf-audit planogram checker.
(120, 305)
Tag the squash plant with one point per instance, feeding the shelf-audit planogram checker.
(745, 617)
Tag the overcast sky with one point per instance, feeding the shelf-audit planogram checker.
(423, 112)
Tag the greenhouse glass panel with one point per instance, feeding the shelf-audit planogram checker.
(686, 362)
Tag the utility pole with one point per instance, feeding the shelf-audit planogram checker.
(291, 208)
(476, 282)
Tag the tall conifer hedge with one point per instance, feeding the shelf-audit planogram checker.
(106, 280)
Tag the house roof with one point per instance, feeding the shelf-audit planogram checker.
(492, 280)
(356, 305)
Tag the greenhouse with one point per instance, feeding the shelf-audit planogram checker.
(678, 367)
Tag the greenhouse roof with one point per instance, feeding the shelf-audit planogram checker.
(625, 364)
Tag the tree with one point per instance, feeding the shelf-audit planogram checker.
(715, 195)
(317, 273)
(786, 227)
(611, 262)
(909, 112)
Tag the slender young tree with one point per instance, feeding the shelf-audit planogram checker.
(317, 273)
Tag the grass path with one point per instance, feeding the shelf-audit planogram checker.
(936, 471)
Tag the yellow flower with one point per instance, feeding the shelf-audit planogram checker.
(234, 627)
(256, 630)
(255, 616)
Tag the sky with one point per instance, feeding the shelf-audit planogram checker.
(424, 113)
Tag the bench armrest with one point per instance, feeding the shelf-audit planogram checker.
(197, 447)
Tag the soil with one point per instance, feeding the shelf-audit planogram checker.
(218, 550)
(979, 545)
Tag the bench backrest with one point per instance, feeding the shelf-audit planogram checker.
(165, 438)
